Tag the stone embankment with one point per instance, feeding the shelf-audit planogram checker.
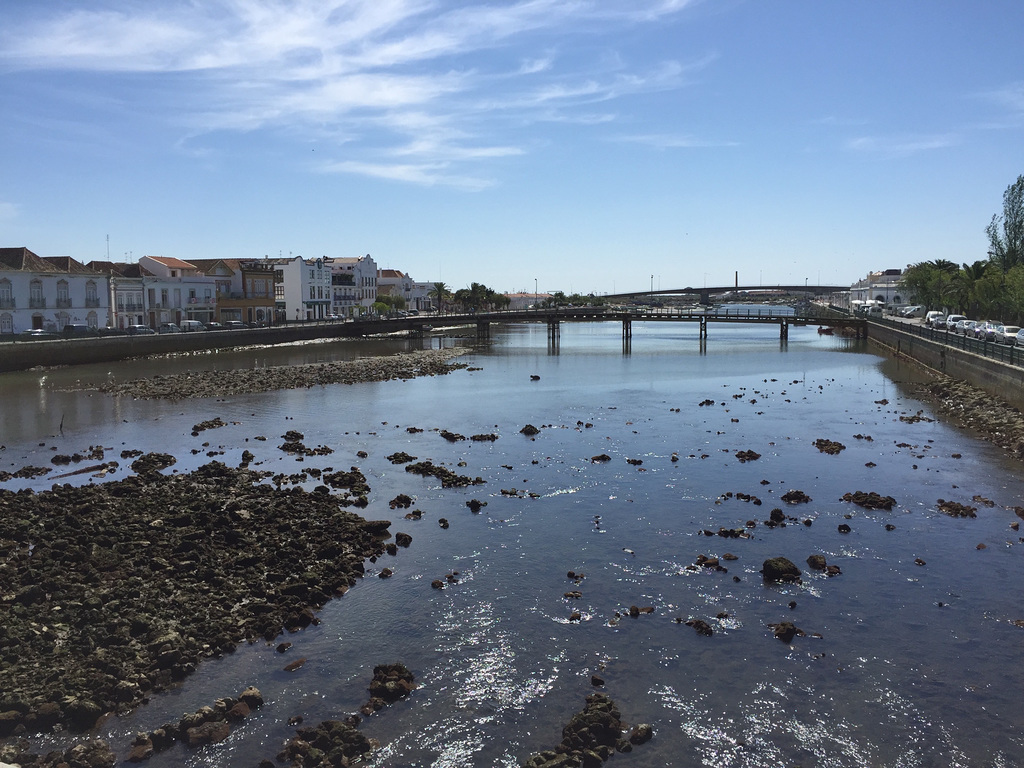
(993, 419)
(409, 365)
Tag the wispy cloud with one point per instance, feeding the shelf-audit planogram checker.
(373, 71)
(424, 174)
(670, 141)
(896, 146)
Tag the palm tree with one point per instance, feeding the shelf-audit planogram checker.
(440, 292)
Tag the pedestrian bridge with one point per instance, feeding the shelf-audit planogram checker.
(784, 317)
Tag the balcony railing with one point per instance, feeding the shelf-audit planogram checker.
(131, 308)
(36, 302)
(63, 302)
(7, 303)
(92, 301)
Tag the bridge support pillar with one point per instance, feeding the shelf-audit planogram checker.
(483, 329)
(784, 330)
(554, 330)
(703, 327)
(627, 328)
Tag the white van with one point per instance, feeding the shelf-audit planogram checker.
(190, 326)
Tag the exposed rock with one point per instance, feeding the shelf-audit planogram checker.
(870, 500)
(780, 569)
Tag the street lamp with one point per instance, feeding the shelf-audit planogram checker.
(535, 293)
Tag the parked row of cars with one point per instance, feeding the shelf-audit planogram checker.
(983, 330)
(82, 331)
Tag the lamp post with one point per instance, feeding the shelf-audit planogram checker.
(535, 293)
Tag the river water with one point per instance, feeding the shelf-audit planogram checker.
(916, 665)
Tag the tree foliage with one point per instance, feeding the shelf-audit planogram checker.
(990, 289)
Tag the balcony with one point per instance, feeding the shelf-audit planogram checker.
(92, 301)
(132, 308)
(63, 302)
(200, 302)
(36, 302)
(7, 303)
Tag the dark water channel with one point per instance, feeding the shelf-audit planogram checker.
(916, 665)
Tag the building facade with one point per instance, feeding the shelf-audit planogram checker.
(176, 290)
(49, 292)
(354, 285)
(302, 288)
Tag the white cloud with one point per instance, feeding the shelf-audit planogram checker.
(671, 141)
(372, 71)
(901, 145)
(429, 175)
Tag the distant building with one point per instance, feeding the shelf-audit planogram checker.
(302, 288)
(127, 293)
(245, 289)
(881, 286)
(49, 292)
(353, 285)
(176, 290)
(396, 283)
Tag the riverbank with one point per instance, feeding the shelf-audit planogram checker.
(248, 381)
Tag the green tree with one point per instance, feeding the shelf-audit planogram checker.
(440, 293)
(1006, 231)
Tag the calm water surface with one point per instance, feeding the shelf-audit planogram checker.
(915, 665)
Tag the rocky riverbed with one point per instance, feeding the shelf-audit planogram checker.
(408, 365)
(111, 592)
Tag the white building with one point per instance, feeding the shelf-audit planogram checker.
(126, 293)
(49, 292)
(354, 285)
(881, 286)
(303, 290)
(393, 282)
(176, 290)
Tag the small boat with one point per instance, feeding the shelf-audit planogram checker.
(824, 331)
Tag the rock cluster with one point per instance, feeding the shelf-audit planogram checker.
(870, 500)
(142, 578)
(245, 381)
(591, 737)
(829, 446)
(93, 754)
(332, 744)
(208, 725)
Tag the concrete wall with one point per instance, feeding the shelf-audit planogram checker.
(21, 355)
(998, 379)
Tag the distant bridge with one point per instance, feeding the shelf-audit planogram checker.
(711, 290)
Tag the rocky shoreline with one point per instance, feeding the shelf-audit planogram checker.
(991, 418)
(407, 365)
(114, 591)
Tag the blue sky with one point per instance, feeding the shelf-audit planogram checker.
(583, 145)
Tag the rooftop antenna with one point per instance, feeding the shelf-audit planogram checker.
(108, 247)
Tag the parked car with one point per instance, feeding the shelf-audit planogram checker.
(111, 331)
(913, 311)
(1020, 338)
(191, 326)
(332, 318)
(37, 334)
(215, 326)
(139, 330)
(78, 331)
(984, 330)
(962, 325)
(1006, 334)
(235, 325)
(952, 320)
(932, 317)
(168, 328)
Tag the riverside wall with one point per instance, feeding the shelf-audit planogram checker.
(22, 355)
(999, 379)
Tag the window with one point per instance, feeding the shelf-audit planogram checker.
(35, 295)
(163, 297)
(91, 320)
(6, 323)
(6, 295)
